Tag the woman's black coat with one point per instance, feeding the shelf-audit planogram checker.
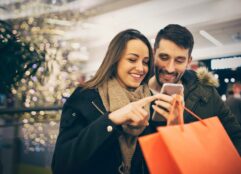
(88, 140)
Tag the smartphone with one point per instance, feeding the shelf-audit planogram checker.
(168, 89)
(172, 88)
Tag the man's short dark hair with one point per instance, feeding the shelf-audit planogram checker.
(178, 34)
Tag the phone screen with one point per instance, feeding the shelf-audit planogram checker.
(168, 89)
(171, 88)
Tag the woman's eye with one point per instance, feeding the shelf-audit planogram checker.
(146, 62)
(132, 60)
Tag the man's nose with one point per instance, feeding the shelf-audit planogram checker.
(170, 67)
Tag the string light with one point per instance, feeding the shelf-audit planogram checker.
(53, 82)
(232, 80)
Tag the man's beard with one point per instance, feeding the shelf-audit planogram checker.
(158, 71)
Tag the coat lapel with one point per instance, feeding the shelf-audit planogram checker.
(92, 108)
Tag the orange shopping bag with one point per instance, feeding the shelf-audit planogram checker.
(198, 147)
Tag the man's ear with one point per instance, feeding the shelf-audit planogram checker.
(189, 59)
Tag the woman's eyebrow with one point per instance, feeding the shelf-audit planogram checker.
(134, 54)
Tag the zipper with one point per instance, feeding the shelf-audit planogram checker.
(93, 103)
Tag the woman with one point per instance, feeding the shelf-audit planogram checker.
(102, 120)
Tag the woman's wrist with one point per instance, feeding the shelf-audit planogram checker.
(112, 117)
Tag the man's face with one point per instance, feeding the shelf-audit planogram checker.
(171, 61)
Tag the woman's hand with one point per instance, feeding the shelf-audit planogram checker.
(133, 113)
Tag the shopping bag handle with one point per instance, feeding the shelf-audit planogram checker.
(179, 103)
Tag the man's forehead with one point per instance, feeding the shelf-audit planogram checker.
(166, 42)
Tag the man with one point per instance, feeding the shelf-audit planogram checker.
(234, 100)
(172, 50)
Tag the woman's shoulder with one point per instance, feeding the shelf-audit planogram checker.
(82, 94)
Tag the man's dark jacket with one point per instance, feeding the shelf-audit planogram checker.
(202, 98)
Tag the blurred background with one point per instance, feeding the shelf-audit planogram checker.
(48, 47)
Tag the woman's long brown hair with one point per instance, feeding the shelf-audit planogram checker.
(108, 67)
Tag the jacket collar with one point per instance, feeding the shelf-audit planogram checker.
(88, 103)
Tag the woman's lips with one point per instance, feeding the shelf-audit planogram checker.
(137, 77)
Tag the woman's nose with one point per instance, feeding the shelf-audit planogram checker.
(140, 66)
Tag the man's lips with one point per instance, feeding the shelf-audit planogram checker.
(167, 76)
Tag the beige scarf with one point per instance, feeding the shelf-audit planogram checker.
(114, 97)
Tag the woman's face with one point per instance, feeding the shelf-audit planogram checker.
(133, 64)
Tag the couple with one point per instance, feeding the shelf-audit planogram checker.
(102, 120)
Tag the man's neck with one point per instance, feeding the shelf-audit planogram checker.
(154, 86)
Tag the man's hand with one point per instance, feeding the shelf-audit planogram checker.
(163, 105)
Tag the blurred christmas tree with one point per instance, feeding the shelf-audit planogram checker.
(58, 76)
(47, 87)
(18, 60)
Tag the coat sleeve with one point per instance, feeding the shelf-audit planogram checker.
(228, 120)
(78, 140)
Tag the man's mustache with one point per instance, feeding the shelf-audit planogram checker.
(167, 73)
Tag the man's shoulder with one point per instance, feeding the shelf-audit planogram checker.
(201, 76)
(206, 78)
(201, 83)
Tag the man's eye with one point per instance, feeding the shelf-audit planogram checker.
(180, 61)
(164, 58)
